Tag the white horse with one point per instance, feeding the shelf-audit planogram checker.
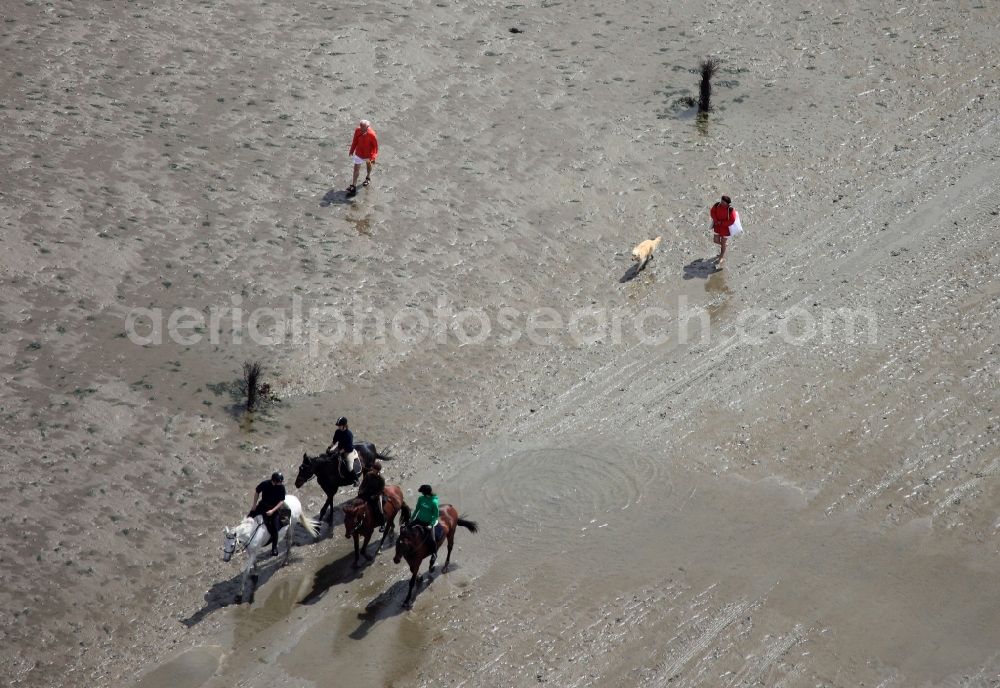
(251, 534)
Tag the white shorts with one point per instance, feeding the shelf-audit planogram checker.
(360, 161)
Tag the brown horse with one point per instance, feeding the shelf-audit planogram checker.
(359, 519)
(413, 543)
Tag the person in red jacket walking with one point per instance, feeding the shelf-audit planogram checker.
(364, 149)
(723, 217)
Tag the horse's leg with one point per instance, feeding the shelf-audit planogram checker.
(251, 558)
(390, 524)
(288, 543)
(243, 585)
(357, 552)
(328, 505)
(253, 584)
(451, 543)
(433, 552)
(364, 547)
(433, 564)
(389, 527)
(413, 581)
(329, 498)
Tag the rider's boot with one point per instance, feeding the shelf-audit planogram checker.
(434, 545)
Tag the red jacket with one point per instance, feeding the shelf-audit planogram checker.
(722, 218)
(364, 145)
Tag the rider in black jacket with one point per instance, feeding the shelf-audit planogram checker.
(342, 446)
(271, 494)
(372, 487)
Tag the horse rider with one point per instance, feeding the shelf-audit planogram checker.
(426, 514)
(268, 499)
(342, 445)
(372, 486)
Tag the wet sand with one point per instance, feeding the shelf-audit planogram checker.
(800, 491)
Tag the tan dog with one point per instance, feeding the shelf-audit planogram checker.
(644, 251)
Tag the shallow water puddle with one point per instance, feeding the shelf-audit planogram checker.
(701, 573)
(190, 669)
(602, 563)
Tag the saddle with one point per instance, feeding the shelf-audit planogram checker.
(348, 465)
(431, 534)
(284, 518)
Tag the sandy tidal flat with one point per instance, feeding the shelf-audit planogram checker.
(791, 482)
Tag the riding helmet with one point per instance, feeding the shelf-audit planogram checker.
(277, 477)
(425, 490)
(342, 420)
(377, 466)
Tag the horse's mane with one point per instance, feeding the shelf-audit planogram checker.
(246, 526)
(322, 458)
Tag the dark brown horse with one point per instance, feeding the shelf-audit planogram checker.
(329, 472)
(413, 543)
(359, 520)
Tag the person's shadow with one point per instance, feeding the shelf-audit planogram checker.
(338, 197)
(701, 268)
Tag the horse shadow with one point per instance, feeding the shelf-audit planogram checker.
(223, 594)
(339, 572)
(335, 197)
(389, 602)
(700, 268)
(385, 605)
(220, 595)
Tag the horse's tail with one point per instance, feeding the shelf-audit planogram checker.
(471, 525)
(295, 506)
(308, 524)
(385, 455)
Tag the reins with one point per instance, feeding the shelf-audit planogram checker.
(241, 547)
(360, 521)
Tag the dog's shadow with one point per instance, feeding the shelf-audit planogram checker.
(632, 272)
(701, 268)
(335, 197)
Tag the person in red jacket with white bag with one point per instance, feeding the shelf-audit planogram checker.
(364, 149)
(725, 223)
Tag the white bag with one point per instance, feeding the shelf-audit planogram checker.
(737, 226)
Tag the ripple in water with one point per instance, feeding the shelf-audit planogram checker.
(569, 488)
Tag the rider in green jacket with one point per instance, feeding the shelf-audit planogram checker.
(426, 514)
